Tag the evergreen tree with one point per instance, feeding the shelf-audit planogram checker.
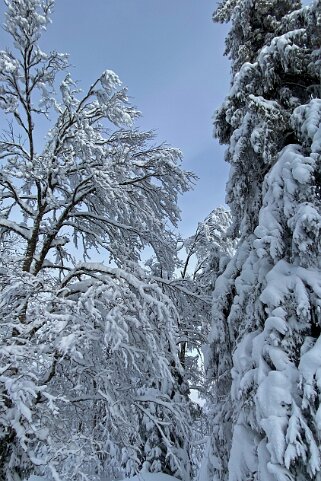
(264, 359)
(205, 254)
(212, 247)
(88, 350)
(208, 251)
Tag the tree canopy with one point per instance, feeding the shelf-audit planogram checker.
(89, 355)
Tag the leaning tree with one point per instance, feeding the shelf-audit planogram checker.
(88, 349)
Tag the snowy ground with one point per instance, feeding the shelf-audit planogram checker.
(139, 477)
(151, 477)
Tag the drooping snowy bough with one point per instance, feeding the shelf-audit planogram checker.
(88, 353)
(264, 356)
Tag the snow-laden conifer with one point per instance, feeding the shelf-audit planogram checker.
(266, 316)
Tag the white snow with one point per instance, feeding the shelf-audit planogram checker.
(138, 477)
(151, 477)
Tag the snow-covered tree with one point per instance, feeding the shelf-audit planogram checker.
(264, 354)
(88, 349)
(206, 253)
(204, 256)
(212, 247)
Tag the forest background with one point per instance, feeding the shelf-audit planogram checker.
(67, 335)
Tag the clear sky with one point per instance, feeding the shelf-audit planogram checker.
(170, 55)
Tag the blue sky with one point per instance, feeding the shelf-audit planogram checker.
(170, 55)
